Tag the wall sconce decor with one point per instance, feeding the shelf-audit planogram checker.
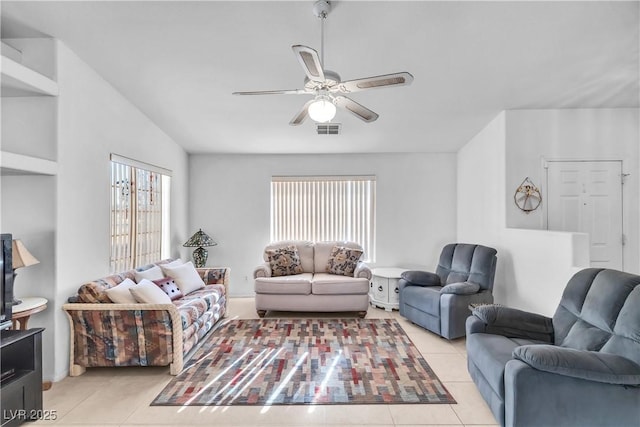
(527, 196)
(200, 240)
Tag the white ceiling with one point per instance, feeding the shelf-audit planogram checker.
(179, 62)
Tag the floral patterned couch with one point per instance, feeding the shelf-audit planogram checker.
(312, 277)
(108, 334)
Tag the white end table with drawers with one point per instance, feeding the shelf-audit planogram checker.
(383, 291)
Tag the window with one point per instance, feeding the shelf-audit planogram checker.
(139, 213)
(321, 208)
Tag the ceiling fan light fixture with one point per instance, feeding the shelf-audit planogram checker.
(322, 109)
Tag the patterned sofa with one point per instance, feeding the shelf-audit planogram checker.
(106, 334)
(319, 277)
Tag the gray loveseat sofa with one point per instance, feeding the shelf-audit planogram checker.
(579, 368)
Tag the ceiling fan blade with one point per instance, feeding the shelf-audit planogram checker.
(387, 80)
(310, 62)
(302, 115)
(356, 109)
(275, 92)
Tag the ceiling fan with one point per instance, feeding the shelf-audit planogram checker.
(326, 87)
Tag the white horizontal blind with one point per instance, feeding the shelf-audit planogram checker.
(136, 216)
(319, 208)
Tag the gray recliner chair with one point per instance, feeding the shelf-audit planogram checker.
(579, 368)
(440, 301)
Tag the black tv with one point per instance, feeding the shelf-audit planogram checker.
(6, 281)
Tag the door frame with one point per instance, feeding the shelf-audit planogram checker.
(545, 191)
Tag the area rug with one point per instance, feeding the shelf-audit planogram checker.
(306, 361)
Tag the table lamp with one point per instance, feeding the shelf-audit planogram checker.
(21, 257)
(200, 240)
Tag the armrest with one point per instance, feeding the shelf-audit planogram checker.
(362, 270)
(101, 335)
(461, 288)
(514, 323)
(587, 365)
(263, 270)
(421, 278)
(215, 275)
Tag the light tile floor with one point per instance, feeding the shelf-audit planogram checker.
(121, 396)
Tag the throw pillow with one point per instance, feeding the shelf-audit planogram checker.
(186, 277)
(284, 261)
(343, 260)
(148, 292)
(169, 287)
(120, 294)
(174, 263)
(153, 273)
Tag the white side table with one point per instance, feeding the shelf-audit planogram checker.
(30, 305)
(383, 291)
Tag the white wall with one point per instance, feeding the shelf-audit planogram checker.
(574, 134)
(230, 200)
(533, 266)
(29, 127)
(28, 207)
(93, 120)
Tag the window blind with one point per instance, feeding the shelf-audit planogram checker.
(320, 208)
(136, 216)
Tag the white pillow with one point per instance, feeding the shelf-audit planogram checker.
(185, 276)
(120, 293)
(174, 263)
(153, 273)
(149, 293)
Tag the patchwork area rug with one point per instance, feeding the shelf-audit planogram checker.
(306, 361)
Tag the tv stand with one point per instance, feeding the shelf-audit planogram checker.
(21, 385)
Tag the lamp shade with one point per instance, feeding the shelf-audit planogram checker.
(21, 256)
(322, 109)
(199, 239)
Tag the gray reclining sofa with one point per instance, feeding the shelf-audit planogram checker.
(579, 368)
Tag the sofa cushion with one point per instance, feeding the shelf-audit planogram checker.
(586, 365)
(120, 294)
(284, 261)
(342, 261)
(305, 252)
(94, 292)
(461, 288)
(332, 284)
(322, 252)
(490, 353)
(192, 307)
(299, 284)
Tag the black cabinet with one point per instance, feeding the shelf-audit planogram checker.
(21, 376)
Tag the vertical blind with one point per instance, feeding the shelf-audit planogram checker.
(321, 208)
(136, 216)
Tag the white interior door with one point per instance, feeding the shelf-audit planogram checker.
(586, 197)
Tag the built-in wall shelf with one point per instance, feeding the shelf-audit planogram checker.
(18, 80)
(18, 164)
